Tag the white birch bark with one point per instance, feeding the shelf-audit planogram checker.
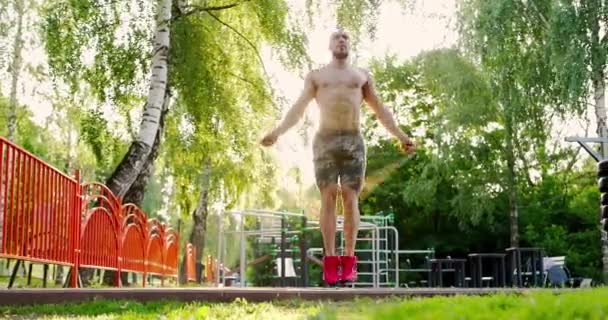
(158, 80)
(134, 161)
(600, 111)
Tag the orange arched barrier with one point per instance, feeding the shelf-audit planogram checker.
(48, 217)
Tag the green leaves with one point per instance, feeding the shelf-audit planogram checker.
(575, 49)
(484, 120)
(447, 102)
(106, 148)
(358, 17)
(106, 43)
(100, 49)
(461, 91)
(223, 99)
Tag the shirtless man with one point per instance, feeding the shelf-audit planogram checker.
(339, 151)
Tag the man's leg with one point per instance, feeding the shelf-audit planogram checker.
(351, 229)
(328, 218)
(326, 175)
(350, 198)
(352, 176)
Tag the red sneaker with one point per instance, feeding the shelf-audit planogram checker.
(331, 264)
(349, 268)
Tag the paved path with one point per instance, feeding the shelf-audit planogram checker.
(38, 296)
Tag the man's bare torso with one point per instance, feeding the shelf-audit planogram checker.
(339, 95)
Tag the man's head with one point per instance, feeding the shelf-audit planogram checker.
(339, 44)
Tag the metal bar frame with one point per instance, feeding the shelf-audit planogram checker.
(376, 241)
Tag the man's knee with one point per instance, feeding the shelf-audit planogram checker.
(350, 196)
(329, 192)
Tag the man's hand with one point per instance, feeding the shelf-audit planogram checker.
(407, 145)
(270, 138)
(385, 116)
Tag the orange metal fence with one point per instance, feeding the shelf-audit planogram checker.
(211, 269)
(133, 239)
(190, 263)
(49, 217)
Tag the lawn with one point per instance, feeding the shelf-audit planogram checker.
(585, 304)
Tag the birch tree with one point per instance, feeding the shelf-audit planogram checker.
(133, 162)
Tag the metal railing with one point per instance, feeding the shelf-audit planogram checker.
(49, 217)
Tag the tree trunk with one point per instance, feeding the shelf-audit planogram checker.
(183, 275)
(511, 181)
(16, 69)
(133, 162)
(199, 218)
(136, 193)
(600, 111)
(137, 156)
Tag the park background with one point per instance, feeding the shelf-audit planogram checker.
(489, 90)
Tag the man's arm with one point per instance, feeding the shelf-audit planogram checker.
(384, 114)
(297, 110)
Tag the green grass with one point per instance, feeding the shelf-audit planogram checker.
(239, 309)
(587, 304)
(584, 304)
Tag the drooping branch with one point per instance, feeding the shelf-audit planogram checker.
(209, 9)
(261, 90)
(194, 9)
(240, 77)
(255, 49)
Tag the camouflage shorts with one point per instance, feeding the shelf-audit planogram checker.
(339, 155)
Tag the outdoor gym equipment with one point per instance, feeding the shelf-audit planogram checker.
(377, 247)
(280, 232)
